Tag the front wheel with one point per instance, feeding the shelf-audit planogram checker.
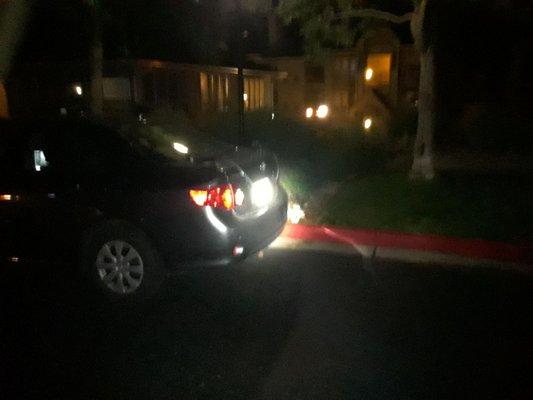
(121, 263)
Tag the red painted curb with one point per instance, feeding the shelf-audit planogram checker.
(472, 248)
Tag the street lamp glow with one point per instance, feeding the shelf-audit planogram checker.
(309, 112)
(78, 89)
(367, 123)
(322, 111)
(369, 73)
(181, 148)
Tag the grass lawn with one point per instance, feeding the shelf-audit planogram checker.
(463, 205)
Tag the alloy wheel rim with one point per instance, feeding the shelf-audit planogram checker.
(120, 267)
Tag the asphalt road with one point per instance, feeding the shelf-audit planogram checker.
(291, 325)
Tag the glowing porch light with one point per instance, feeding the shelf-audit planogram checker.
(245, 96)
(309, 112)
(322, 111)
(369, 73)
(78, 90)
(367, 123)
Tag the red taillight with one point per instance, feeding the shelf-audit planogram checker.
(217, 197)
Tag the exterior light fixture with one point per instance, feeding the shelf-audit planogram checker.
(78, 90)
(181, 148)
(295, 213)
(367, 123)
(245, 96)
(322, 111)
(369, 73)
(309, 112)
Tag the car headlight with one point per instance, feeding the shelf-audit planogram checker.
(262, 192)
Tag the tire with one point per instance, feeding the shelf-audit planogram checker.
(120, 263)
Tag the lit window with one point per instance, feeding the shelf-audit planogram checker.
(214, 91)
(204, 90)
(378, 69)
(254, 93)
(39, 160)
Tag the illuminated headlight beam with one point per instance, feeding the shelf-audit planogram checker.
(295, 213)
(213, 220)
(262, 192)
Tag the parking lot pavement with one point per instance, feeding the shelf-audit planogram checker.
(298, 325)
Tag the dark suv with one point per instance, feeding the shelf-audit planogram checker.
(125, 210)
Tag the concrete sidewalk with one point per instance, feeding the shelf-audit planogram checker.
(427, 249)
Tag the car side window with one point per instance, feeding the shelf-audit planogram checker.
(76, 149)
(102, 151)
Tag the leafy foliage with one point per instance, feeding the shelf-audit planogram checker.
(310, 156)
(456, 204)
(322, 25)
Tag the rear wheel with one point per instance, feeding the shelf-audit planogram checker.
(120, 262)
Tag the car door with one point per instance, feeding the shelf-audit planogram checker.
(73, 179)
(12, 194)
(37, 214)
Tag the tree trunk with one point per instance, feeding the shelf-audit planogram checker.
(423, 149)
(97, 64)
(97, 101)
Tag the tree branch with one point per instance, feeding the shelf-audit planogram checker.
(377, 14)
